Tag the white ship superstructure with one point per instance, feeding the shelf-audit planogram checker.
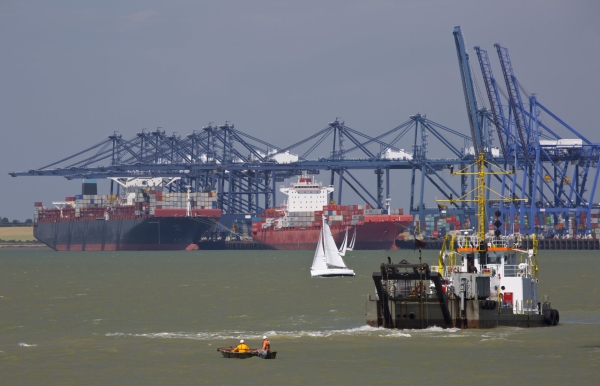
(306, 195)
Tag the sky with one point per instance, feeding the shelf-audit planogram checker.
(74, 72)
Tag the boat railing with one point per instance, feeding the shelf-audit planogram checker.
(467, 241)
(525, 307)
(502, 242)
(520, 270)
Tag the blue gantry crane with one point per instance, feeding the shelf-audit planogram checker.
(554, 174)
(540, 154)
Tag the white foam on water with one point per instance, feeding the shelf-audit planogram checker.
(491, 339)
(357, 331)
(27, 345)
(484, 334)
(364, 330)
(437, 329)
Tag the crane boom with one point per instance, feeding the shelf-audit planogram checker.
(467, 82)
(502, 126)
(515, 102)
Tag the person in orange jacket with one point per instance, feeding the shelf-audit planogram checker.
(242, 347)
(266, 347)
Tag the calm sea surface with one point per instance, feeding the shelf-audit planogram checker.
(157, 318)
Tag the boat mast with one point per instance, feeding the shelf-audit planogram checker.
(480, 198)
(480, 191)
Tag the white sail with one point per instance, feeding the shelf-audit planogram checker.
(344, 246)
(332, 255)
(319, 260)
(351, 246)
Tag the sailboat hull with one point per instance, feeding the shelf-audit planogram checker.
(331, 272)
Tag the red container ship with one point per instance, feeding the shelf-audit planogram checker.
(144, 219)
(296, 225)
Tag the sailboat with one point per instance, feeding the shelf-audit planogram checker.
(328, 261)
(351, 246)
(344, 246)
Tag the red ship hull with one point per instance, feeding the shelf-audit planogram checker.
(370, 236)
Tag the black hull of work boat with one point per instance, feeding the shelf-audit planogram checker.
(421, 308)
(413, 314)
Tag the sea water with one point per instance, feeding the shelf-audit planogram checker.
(157, 318)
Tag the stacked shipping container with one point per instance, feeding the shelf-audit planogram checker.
(141, 203)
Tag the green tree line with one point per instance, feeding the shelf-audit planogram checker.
(5, 222)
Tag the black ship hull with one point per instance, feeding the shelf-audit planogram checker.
(137, 234)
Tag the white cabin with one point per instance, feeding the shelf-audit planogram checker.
(306, 195)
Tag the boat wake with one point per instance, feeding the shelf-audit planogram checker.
(362, 331)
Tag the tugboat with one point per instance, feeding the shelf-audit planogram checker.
(481, 281)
